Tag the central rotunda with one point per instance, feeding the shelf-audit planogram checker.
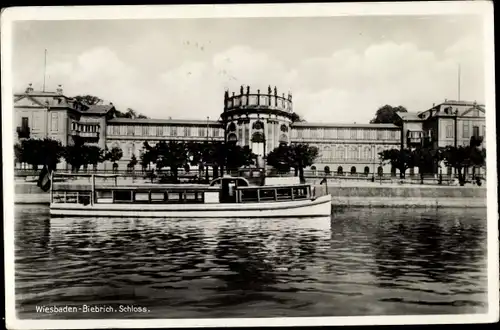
(258, 120)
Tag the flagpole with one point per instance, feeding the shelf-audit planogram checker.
(44, 69)
(459, 81)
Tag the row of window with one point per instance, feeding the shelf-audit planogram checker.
(345, 133)
(262, 100)
(152, 130)
(84, 127)
(352, 153)
(340, 170)
(466, 130)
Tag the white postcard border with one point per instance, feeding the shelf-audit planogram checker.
(9, 16)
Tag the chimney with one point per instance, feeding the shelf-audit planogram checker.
(29, 89)
(59, 89)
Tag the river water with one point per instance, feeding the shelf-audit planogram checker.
(359, 262)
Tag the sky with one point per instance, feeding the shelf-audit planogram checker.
(339, 69)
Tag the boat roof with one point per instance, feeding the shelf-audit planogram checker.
(86, 175)
(163, 187)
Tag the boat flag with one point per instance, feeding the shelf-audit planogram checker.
(44, 179)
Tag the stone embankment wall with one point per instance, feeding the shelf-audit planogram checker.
(405, 196)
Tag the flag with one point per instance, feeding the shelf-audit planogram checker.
(44, 179)
(323, 181)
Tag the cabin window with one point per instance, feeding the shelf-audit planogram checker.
(285, 193)
(249, 195)
(141, 196)
(104, 196)
(157, 197)
(267, 194)
(174, 197)
(193, 197)
(299, 193)
(123, 196)
(84, 198)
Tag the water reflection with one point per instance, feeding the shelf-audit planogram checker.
(439, 248)
(360, 262)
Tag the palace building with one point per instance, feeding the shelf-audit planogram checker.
(260, 120)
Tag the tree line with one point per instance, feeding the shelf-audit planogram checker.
(427, 159)
(174, 155)
(48, 152)
(222, 157)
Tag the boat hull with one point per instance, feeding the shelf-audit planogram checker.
(319, 207)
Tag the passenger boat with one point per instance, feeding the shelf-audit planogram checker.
(226, 197)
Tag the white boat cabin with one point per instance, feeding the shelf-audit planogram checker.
(221, 190)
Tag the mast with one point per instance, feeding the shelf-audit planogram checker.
(44, 69)
(459, 81)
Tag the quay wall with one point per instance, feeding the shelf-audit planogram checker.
(345, 196)
(405, 196)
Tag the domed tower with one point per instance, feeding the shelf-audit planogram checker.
(258, 120)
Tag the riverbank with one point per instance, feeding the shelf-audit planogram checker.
(350, 195)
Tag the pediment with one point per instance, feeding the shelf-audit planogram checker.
(27, 101)
(473, 112)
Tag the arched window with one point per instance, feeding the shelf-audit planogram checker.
(232, 138)
(327, 169)
(232, 127)
(340, 170)
(313, 168)
(380, 171)
(284, 128)
(367, 170)
(353, 170)
(258, 137)
(258, 125)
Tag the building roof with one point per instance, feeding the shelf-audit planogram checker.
(409, 116)
(98, 109)
(163, 121)
(451, 108)
(328, 125)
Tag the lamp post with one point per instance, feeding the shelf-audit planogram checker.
(380, 174)
(440, 181)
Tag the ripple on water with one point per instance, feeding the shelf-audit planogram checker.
(364, 262)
